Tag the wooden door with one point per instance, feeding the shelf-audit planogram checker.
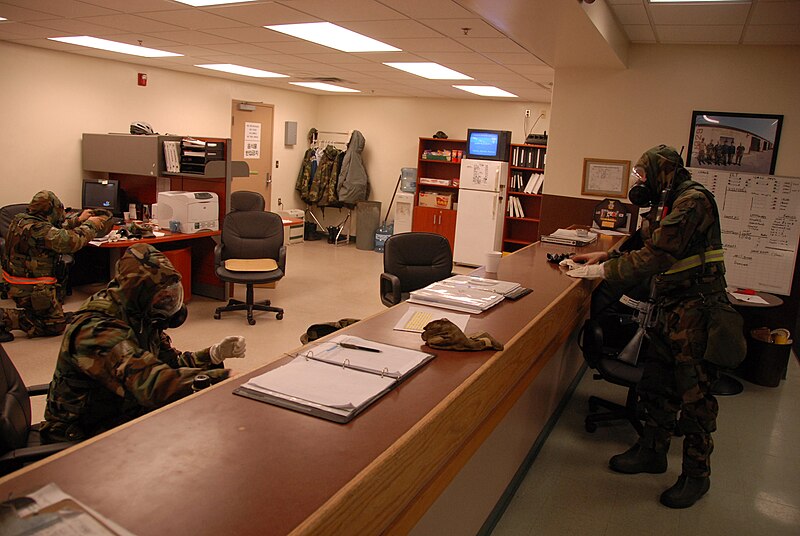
(251, 142)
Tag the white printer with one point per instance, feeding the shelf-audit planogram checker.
(194, 211)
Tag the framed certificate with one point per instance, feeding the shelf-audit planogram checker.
(605, 178)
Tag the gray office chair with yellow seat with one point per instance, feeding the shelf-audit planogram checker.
(412, 261)
(251, 252)
(20, 443)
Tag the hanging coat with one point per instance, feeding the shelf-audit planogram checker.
(323, 188)
(306, 176)
(353, 179)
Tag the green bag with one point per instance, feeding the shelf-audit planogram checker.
(726, 346)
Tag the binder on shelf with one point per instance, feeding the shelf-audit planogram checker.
(336, 379)
(569, 237)
(171, 158)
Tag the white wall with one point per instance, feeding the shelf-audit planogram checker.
(619, 114)
(49, 99)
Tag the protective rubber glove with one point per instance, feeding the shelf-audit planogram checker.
(229, 347)
(588, 271)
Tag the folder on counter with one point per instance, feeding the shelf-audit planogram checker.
(569, 237)
(336, 379)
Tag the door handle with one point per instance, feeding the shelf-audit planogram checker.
(268, 179)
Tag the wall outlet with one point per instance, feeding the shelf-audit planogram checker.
(280, 203)
(527, 113)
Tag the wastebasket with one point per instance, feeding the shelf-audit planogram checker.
(368, 217)
(766, 362)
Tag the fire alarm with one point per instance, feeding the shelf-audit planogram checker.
(142, 79)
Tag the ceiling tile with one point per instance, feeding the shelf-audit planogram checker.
(701, 14)
(249, 34)
(772, 34)
(475, 27)
(448, 58)
(237, 48)
(262, 14)
(640, 33)
(699, 34)
(64, 27)
(489, 44)
(631, 14)
(20, 14)
(514, 59)
(297, 46)
(190, 37)
(20, 29)
(344, 10)
(136, 6)
(129, 23)
(384, 29)
(62, 8)
(192, 19)
(439, 44)
(425, 9)
(776, 13)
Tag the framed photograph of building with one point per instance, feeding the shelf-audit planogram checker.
(734, 141)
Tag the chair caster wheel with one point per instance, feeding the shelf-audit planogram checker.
(251, 321)
(279, 316)
(590, 427)
(217, 316)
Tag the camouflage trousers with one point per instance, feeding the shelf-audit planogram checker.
(39, 312)
(675, 390)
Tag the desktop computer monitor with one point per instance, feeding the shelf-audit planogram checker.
(101, 193)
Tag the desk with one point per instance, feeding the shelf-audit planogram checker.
(215, 463)
(204, 279)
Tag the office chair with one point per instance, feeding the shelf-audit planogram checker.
(602, 339)
(412, 261)
(251, 252)
(19, 440)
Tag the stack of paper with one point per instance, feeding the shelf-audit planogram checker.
(456, 297)
(570, 237)
(482, 283)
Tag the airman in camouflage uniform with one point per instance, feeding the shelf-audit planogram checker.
(116, 362)
(675, 389)
(36, 240)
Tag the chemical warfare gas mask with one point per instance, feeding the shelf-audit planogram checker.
(168, 310)
(640, 194)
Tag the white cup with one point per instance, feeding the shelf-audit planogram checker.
(493, 261)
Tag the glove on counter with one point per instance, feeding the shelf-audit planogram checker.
(588, 271)
(229, 347)
(445, 335)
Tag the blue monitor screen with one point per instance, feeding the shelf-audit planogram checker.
(483, 143)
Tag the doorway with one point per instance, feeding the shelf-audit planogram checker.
(251, 142)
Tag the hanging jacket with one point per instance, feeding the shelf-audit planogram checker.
(353, 183)
(306, 176)
(323, 188)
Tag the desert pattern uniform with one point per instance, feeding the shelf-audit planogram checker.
(116, 363)
(677, 379)
(35, 241)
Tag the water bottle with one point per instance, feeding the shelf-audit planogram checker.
(408, 179)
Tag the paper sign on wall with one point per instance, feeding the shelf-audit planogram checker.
(252, 140)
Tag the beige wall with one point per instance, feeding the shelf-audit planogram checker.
(618, 114)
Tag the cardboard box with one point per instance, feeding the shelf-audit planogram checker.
(435, 199)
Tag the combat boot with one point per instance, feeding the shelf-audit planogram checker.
(639, 459)
(5, 335)
(686, 491)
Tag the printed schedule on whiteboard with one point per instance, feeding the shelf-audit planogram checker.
(760, 227)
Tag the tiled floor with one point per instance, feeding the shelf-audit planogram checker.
(569, 489)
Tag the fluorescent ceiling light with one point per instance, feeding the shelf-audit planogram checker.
(432, 71)
(330, 35)
(113, 46)
(2, 18)
(709, 119)
(244, 71)
(325, 87)
(203, 3)
(486, 91)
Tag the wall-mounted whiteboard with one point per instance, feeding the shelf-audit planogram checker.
(760, 227)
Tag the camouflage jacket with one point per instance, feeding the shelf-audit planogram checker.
(690, 228)
(114, 364)
(323, 188)
(34, 244)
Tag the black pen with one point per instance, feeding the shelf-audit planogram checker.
(356, 347)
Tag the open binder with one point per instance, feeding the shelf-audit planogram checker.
(335, 382)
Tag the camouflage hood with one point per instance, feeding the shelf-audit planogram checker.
(663, 165)
(141, 272)
(47, 206)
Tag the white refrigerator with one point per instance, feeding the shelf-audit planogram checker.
(481, 210)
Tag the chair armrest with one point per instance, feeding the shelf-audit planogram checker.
(38, 389)
(25, 455)
(218, 255)
(390, 289)
(282, 259)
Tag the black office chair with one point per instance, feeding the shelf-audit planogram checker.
(602, 339)
(249, 234)
(412, 261)
(19, 440)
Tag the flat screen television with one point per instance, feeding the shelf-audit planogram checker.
(102, 193)
(488, 144)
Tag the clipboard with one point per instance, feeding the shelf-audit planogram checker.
(333, 382)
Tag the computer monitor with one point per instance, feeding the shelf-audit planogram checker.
(101, 193)
(488, 144)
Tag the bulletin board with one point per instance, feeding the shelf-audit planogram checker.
(760, 227)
